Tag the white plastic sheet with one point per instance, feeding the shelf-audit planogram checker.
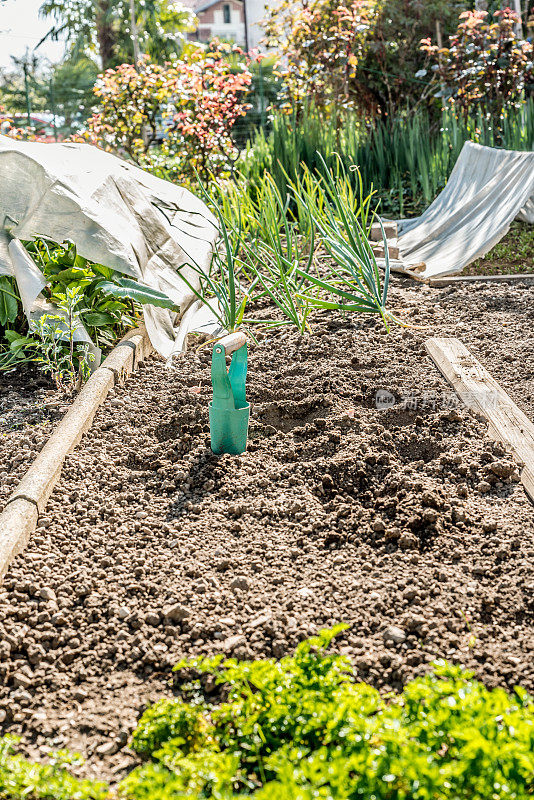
(116, 214)
(486, 191)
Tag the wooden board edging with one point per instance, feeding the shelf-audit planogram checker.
(485, 397)
(515, 277)
(21, 511)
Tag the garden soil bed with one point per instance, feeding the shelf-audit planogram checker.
(29, 408)
(402, 520)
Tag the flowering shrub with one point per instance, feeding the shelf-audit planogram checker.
(189, 106)
(320, 45)
(486, 66)
(209, 100)
(393, 75)
(129, 102)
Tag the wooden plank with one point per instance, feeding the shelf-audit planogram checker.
(390, 229)
(453, 279)
(527, 479)
(483, 395)
(393, 251)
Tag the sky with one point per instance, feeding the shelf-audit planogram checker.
(21, 28)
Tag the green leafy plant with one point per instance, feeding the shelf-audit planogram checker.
(21, 779)
(303, 727)
(102, 300)
(57, 353)
(18, 350)
(354, 276)
(170, 720)
(221, 288)
(9, 301)
(111, 301)
(276, 252)
(407, 160)
(52, 344)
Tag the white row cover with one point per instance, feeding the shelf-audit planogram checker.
(486, 191)
(116, 214)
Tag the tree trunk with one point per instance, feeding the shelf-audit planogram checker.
(105, 34)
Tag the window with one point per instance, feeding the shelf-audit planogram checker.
(226, 14)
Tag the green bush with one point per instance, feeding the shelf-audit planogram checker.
(169, 720)
(21, 779)
(303, 728)
(79, 293)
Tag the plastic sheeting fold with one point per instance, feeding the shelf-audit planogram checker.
(487, 189)
(116, 214)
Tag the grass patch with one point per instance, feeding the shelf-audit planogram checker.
(513, 254)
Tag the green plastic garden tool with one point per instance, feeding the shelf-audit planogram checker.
(229, 411)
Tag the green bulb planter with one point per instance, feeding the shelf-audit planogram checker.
(229, 411)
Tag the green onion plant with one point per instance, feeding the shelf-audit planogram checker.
(354, 276)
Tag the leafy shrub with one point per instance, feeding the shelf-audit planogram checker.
(189, 107)
(102, 300)
(303, 728)
(191, 777)
(487, 65)
(169, 720)
(23, 780)
(320, 44)
(361, 54)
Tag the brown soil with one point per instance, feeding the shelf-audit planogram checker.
(402, 520)
(29, 406)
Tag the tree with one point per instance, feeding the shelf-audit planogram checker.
(70, 89)
(22, 87)
(89, 25)
(487, 66)
(65, 90)
(102, 27)
(162, 27)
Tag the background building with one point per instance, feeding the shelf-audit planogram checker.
(230, 20)
(256, 10)
(223, 19)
